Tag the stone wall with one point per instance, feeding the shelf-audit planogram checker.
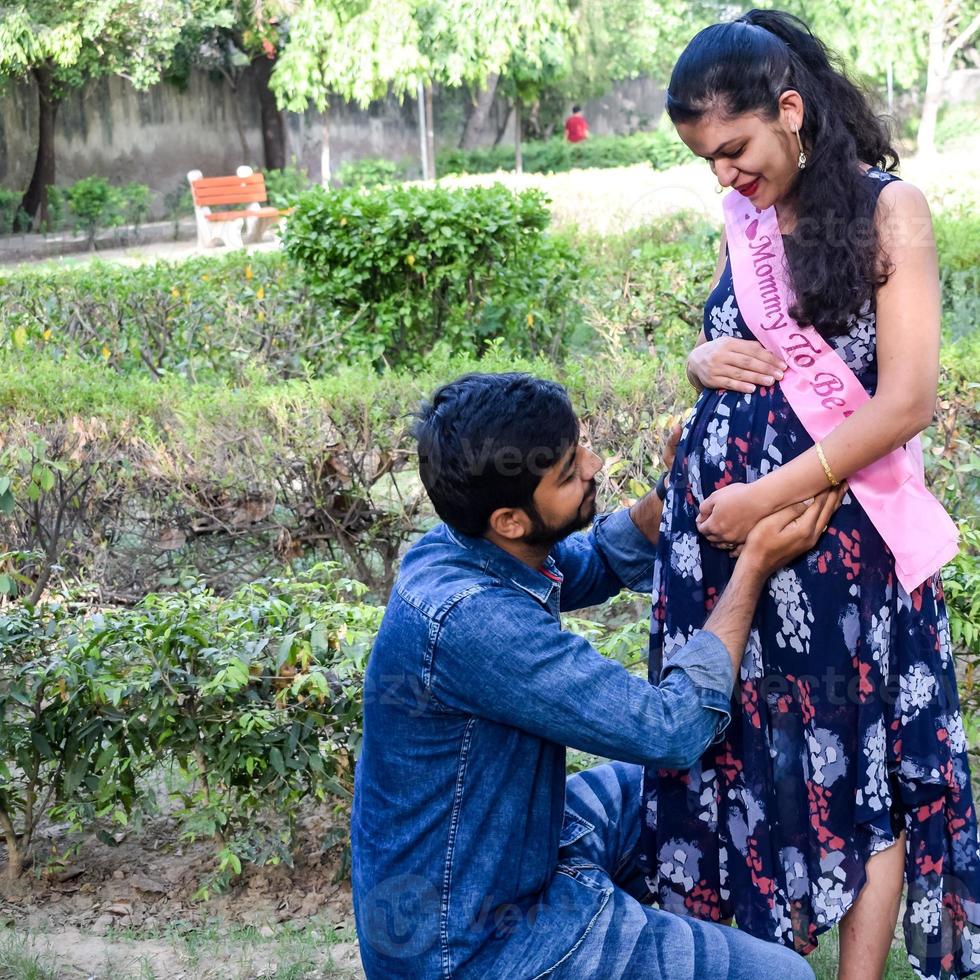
(110, 129)
(155, 137)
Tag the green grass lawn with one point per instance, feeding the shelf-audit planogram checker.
(824, 960)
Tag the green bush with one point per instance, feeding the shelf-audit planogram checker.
(646, 289)
(60, 738)
(254, 698)
(96, 204)
(961, 581)
(153, 479)
(369, 172)
(200, 318)
(957, 123)
(93, 202)
(134, 202)
(57, 209)
(285, 186)
(178, 203)
(660, 148)
(12, 219)
(221, 317)
(409, 267)
(253, 704)
(958, 242)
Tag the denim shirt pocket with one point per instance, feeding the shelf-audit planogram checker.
(573, 828)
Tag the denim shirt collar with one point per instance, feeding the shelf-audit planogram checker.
(538, 583)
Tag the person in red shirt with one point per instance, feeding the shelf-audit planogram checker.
(576, 128)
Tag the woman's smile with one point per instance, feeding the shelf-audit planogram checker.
(748, 189)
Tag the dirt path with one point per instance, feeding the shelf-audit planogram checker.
(132, 911)
(73, 955)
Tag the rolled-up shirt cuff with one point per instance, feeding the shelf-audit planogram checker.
(626, 549)
(706, 662)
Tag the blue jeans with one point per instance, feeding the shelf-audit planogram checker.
(625, 938)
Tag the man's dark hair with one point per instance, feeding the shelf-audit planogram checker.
(485, 440)
(576, 108)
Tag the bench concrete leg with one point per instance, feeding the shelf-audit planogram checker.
(230, 232)
(257, 227)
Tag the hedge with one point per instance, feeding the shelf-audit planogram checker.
(403, 268)
(661, 149)
(381, 274)
(125, 482)
(255, 699)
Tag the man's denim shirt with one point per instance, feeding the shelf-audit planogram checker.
(471, 695)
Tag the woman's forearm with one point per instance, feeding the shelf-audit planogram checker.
(873, 431)
(692, 376)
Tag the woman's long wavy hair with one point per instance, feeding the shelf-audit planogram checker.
(834, 257)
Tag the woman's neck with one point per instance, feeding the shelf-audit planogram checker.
(786, 216)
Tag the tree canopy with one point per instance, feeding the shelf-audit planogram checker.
(305, 51)
(65, 43)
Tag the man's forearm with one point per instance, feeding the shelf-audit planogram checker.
(646, 514)
(731, 619)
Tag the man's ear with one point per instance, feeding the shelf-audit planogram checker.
(511, 523)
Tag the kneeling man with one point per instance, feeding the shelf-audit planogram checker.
(473, 856)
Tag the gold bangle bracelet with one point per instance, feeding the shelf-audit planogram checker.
(831, 479)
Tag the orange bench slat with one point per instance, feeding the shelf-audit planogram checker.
(234, 180)
(259, 213)
(231, 197)
(229, 190)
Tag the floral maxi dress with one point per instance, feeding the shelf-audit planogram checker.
(845, 725)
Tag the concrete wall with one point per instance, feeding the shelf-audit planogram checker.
(155, 137)
(963, 86)
(110, 129)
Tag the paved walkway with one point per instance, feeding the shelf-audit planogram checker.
(157, 243)
(140, 254)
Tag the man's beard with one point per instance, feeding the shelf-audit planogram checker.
(542, 534)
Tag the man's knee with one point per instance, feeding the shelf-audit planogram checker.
(608, 793)
(788, 965)
(751, 957)
(607, 799)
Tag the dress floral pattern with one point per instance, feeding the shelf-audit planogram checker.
(846, 727)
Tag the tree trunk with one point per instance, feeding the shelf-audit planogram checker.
(236, 111)
(534, 120)
(502, 127)
(325, 152)
(477, 121)
(15, 856)
(518, 148)
(15, 864)
(423, 142)
(35, 200)
(430, 134)
(935, 78)
(274, 133)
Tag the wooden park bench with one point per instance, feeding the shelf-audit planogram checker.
(235, 228)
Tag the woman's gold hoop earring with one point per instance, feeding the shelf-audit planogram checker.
(719, 189)
(802, 161)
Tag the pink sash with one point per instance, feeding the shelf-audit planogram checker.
(823, 391)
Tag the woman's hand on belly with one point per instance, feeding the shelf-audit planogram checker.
(729, 514)
(730, 364)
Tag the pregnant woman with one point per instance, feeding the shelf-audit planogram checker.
(843, 773)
